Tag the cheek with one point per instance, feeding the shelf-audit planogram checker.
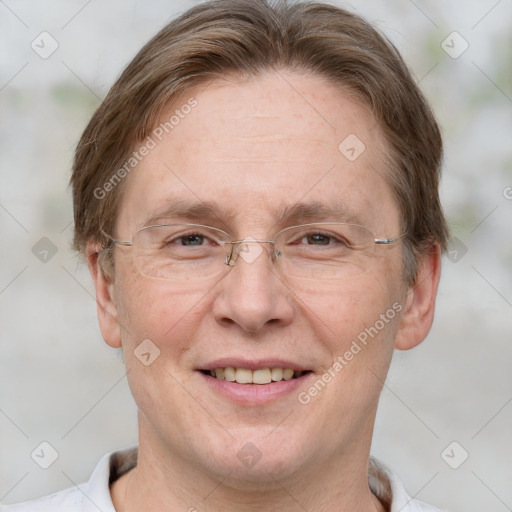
(160, 325)
(339, 312)
(357, 322)
(154, 310)
(358, 333)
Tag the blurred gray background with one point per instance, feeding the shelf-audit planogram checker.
(62, 385)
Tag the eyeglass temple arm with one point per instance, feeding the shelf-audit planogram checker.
(113, 240)
(388, 241)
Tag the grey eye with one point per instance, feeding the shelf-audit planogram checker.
(317, 239)
(192, 239)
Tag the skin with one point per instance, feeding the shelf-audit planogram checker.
(253, 147)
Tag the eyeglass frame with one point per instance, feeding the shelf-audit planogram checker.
(230, 259)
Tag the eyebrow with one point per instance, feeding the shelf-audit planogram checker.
(196, 210)
(302, 213)
(285, 215)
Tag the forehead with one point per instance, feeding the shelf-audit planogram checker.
(259, 146)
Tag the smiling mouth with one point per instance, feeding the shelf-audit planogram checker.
(259, 376)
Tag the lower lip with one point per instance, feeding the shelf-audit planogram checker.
(254, 394)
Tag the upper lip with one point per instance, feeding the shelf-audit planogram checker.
(252, 364)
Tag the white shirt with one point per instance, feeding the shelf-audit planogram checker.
(95, 494)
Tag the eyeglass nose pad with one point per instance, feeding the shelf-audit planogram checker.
(249, 249)
(231, 257)
(236, 248)
(274, 255)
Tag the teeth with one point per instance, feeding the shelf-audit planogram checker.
(243, 376)
(277, 374)
(260, 376)
(287, 374)
(229, 374)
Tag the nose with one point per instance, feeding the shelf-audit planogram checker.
(252, 295)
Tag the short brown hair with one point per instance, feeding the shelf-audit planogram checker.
(244, 38)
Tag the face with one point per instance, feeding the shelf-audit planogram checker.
(254, 151)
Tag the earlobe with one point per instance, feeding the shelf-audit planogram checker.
(105, 299)
(419, 306)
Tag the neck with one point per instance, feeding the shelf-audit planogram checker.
(161, 482)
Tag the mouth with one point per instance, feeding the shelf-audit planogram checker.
(259, 376)
(254, 382)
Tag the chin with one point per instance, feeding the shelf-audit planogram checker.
(256, 457)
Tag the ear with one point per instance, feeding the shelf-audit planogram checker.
(105, 299)
(419, 307)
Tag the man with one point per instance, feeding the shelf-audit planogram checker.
(257, 200)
